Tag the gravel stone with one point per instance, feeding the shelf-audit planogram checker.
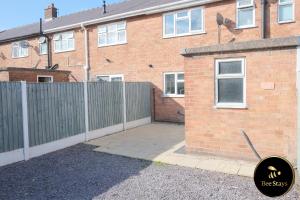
(80, 173)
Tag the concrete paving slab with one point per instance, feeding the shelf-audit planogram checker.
(161, 142)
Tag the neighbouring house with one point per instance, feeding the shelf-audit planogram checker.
(227, 65)
(33, 75)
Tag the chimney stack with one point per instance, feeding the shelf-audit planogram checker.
(50, 12)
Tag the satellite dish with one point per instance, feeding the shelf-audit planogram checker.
(24, 44)
(220, 19)
(42, 40)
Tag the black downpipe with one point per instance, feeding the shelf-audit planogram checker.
(49, 49)
(48, 43)
(263, 19)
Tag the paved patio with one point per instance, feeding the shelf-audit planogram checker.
(162, 142)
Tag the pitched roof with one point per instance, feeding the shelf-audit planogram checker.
(89, 15)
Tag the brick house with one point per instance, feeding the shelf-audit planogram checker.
(178, 46)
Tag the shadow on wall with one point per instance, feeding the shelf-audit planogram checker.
(268, 16)
(2, 56)
(166, 109)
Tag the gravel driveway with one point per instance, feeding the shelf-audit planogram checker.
(80, 173)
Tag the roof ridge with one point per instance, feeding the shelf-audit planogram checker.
(90, 9)
(74, 13)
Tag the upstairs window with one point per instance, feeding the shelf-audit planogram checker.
(20, 49)
(245, 13)
(285, 11)
(185, 22)
(64, 42)
(230, 83)
(43, 48)
(112, 34)
(174, 84)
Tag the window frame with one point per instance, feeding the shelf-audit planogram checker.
(61, 39)
(19, 46)
(106, 25)
(111, 76)
(44, 76)
(176, 81)
(278, 10)
(230, 76)
(174, 34)
(41, 53)
(245, 7)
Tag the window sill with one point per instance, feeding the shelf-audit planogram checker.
(64, 51)
(20, 57)
(246, 27)
(108, 45)
(286, 22)
(172, 96)
(243, 107)
(184, 35)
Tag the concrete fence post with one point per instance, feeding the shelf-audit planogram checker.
(124, 107)
(25, 120)
(86, 110)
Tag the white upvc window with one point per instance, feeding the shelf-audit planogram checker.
(44, 79)
(174, 84)
(43, 48)
(110, 78)
(230, 83)
(64, 42)
(184, 22)
(112, 34)
(20, 49)
(286, 11)
(245, 13)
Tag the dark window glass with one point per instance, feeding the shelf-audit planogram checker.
(170, 84)
(180, 88)
(42, 79)
(234, 67)
(230, 90)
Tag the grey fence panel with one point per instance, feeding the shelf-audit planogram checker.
(55, 111)
(11, 124)
(105, 102)
(138, 101)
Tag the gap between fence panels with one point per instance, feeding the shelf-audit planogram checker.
(140, 114)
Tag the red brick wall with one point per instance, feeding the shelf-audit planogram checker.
(270, 117)
(31, 76)
(278, 30)
(4, 76)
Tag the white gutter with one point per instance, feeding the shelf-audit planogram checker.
(147, 11)
(86, 66)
